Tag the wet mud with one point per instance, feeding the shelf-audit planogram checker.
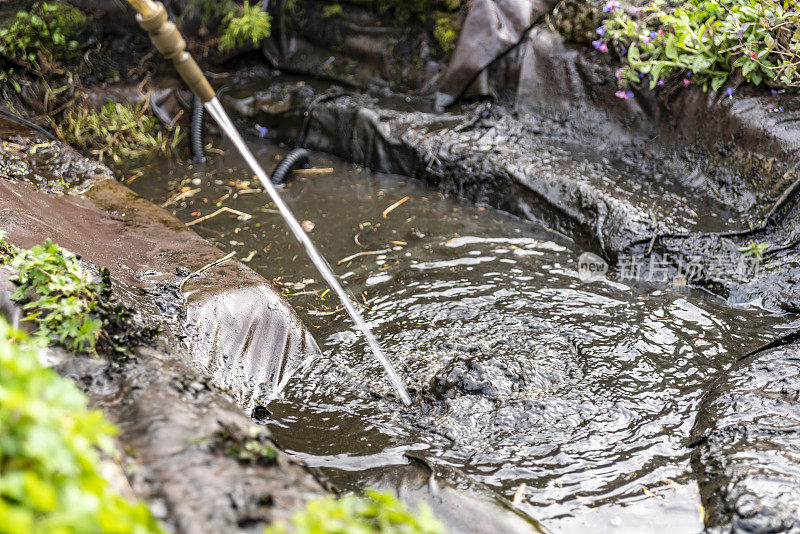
(747, 430)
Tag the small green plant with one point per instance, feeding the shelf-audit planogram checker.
(117, 131)
(251, 25)
(755, 249)
(704, 41)
(68, 306)
(446, 30)
(375, 513)
(331, 10)
(49, 462)
(47, 28)
(249, 445)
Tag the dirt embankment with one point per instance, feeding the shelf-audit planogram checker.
(187, 448)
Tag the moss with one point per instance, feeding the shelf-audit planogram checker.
(331, 10)
(116, 131)
(446, 30)
(47, 30)
(49, 464)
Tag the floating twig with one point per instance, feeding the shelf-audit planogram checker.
(180, 196)
(314, 171)
(243, 215)
(204, 268)
(391, 208)
(357, 254)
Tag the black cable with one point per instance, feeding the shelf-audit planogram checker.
(296, 158)
(196, 134)
(27, 123)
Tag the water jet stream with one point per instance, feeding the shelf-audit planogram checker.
(167, 39)
(216, 110)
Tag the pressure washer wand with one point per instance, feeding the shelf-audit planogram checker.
(152, 16)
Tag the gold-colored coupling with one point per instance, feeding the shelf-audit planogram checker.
(168, 40)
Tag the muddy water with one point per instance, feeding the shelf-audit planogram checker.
(521, 372)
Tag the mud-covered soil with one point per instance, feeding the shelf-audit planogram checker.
(177, 423)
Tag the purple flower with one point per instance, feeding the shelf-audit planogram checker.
(729, 91)
(646, 40)
(660, 83)
(600, 45)
(636, 10)
(261, 130)
(618, 74)
(611, 5)
(653, 35)
(641, 75)
(686, 82)
(601, 31)
(624, 95)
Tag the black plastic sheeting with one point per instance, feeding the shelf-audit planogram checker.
(748, 429)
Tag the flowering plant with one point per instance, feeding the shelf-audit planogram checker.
(705, 40)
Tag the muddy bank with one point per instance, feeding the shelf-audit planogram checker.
(178, 428)
(747, 430)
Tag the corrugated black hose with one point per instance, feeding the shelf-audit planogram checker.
(197, 131)
(296, 158)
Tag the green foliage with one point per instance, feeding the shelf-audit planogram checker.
(755, 249)
(48, 28)
(250, 25)
(67, 305)
(709, 38)
(49, 442)
(118, 131)
(331, 10)
(58, 296)
(375, 513)
(445, 31)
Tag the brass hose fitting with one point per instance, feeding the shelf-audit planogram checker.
(152, 17)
